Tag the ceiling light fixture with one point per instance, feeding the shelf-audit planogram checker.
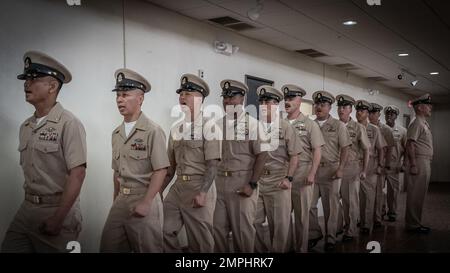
(434, 73)
(403, 54)
(414, 82)
(255, 12)
(349, 23)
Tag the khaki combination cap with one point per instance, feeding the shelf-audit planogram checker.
(323, 96)
(192, 83)
(291, 90)
(265, 92)
(38, 64)
(231, 88)
(127, 79)
(344, 100)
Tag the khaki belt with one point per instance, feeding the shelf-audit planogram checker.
(185, 178)
(323, 164)
(269, 172)
(43, 199)
(131, 191)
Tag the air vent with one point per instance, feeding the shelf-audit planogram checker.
(311, 53)
(377, 79)
(346, 66)
(231, 23)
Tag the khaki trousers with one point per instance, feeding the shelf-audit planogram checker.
(327, 189)
(417, 191)
(178, 211)
(367, 195)
(124, 232)
(350, 197)
(234, 213)
(23, 234)
(301, 195)
(275, 204)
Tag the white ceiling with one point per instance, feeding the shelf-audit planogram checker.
(418, 27)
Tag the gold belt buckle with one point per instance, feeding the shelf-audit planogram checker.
(36, 199)
(226, 173)
(186, 178)
(126, 191)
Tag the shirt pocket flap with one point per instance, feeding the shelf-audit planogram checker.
(138, 155)
(47, 147)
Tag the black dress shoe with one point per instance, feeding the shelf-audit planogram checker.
(377, 224)
(391, 218)
(330, 246)
(313, 242)
(347, 238)
(365, 230)
(339, 232)
(420, 230)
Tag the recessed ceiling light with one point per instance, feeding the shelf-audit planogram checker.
(403, 54)
(349, 23)
(434, 73)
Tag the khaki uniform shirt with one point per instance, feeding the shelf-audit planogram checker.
(191, 145)
(309, 136)
(419, 132)
(241, 143)
(376, 139)
(288, 145)
(49, 150)
(336, 137)
(137, 156)
(398, 151)
(360, 141)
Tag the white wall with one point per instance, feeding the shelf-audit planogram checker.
(160, 44)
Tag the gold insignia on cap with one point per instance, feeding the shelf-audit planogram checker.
(360, 103)
(27, 62)
(120, 77)
(286, 90)
(226, 85)
(341, 99)
(319, 95)
(184, 80)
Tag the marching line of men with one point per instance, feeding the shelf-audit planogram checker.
(229, 181)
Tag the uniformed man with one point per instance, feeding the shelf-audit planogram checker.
(330, 172)
(368, 186)
(419, 147)
(52, 146)
(356, 168)
(311, 139)
(396, 162)
(139, 163)
(194, 153)
(386, 132)
(243, 159)
(274, 201)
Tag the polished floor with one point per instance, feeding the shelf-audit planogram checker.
(392, 235)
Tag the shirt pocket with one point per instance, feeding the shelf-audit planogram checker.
(47, 148)
(139, 162)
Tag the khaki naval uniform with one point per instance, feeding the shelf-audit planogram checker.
(48, 151)
(190, 147)
(240, 147)
(310, 137)
(336, 137)
(419, 132)
(273, 202)
(369, 185)
(134, 159)
(396, 162)
(350, 181)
